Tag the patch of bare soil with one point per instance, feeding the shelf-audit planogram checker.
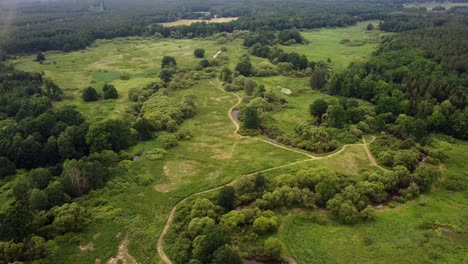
(122, 254)
(163, 187)
(87, 247)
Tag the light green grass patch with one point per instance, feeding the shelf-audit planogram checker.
(325, 43)
(396, 235)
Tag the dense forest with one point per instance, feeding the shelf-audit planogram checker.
(70, 26)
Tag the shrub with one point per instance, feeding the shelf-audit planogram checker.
(168, 61)
(205, 63)
(264, 225)
(272, 248)
(89, 94)
(168, 141)
(199, 53)
(125, 76)
(155, 154)
(109, 91)
(225, 255)
(226, 198)
(244, 67)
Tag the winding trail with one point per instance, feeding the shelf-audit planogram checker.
(236, 124)
(370, 156)
(165, 259)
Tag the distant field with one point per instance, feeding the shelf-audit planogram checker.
(431, 5)
(182, 22)
(325, 43)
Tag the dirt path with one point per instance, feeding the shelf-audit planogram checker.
(165, 259)
(369, 154)
(236, 124)
(161, 253)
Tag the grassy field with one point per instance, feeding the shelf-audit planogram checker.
(182, 22)
(105, 61)
(133, 207)
(325, 44)
(397, 235)
(136, 204)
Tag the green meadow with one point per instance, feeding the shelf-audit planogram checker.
(133, 207)
(326, 43)
(431, 229)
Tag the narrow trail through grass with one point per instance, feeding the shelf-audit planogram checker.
(162, 254)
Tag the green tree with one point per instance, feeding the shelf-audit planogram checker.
(197, 225)
(6, 167)
(318, 108)
(245, 68)
(264, 225)
(52, 90)
(40, 57)
(260, 182)
(370, 26)
(272, 248)
(55, 194)
(425, 175)
(89, 94)
(38, 200)
(205, 245)
(68, 218)
(165, 75)
(251, 119)
(199, 53)
(15, 223)
(225, 255)
(204, 63)
(69, 116)
(21, 191)
(249, 86)
(233, 219)
(40, 177)
(336, 115)
(144, 128)
(168, 62)
(111, 134)
(319, 79)
(109, 91)
(227, 198)
(408, 158)
(226, 75)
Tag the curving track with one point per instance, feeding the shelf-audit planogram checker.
(165, 259)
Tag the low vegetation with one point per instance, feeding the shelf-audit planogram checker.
(251, 140)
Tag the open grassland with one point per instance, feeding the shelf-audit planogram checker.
(133, 208)
(106, 61)
(325, 44)
(430, 229)
(136, 203)
(183, 22)
(298, 101)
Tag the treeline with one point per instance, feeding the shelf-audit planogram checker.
(66, 28)
(413, 94)
(442, 36)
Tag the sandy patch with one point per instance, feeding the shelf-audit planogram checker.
(182, 22)
(122, 255)
(87, 247)
(163, 187)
